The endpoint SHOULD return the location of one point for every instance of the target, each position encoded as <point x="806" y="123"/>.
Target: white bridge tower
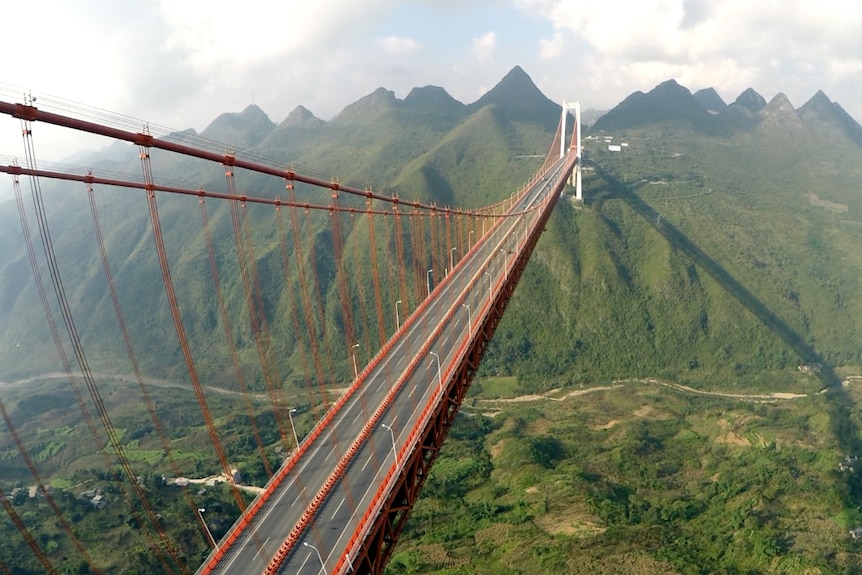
<point x="576" y="142"/>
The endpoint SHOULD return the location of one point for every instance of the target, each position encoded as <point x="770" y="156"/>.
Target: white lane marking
<point x="367" y="461"/>
<point x="413" y="390"/>
<point x="357" y="417"/>
<point x="330" y="454"/>
<point x="445" y="341"/>
<point x="337" y="508"/>
<point x="261" y="549"/>
<point x="297" y="499"/>
<point x="301" y="567"/>
<point x="382" y="383"/>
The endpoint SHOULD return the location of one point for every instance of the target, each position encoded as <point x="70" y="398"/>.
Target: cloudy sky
<point x="180" y="63"/>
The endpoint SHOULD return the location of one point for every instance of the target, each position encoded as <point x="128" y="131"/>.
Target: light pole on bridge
<point x="489" y="287"/>
<point x="505" y="266"/>
<point x="355" y="367"/>
<point x="392" y="434"/>
<point x="292" y="426"/>
<point x="201" y="512"/>
<point x="439" y="373"/>
<point x="428" y="281"/>
<point x="322" y="564"/>
<point x="470" y="237"/>
<point x="397" y="317"/>
<point x="452" y="259"/>
<point x="469" y="317"/>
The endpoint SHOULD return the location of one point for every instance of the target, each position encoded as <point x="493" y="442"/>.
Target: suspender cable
<point x="226" y="324"/>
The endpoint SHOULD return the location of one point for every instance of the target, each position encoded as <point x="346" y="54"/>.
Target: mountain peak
<point x="818" y="106"/>
<point x="242" y="130"/>
<point x="751" y="100"/>
<point x="820" y="109"/>
<point x="377" y="101"/>
<point x="669" y="101"/>
<point x="780" y="112"/>
<point x="519" y="97"/>
<point x="434" y="96"/>
<point x="300" y="116"/>
<point x="710" y="100"/>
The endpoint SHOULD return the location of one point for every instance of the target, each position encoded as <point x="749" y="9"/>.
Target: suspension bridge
<point x="424" y="285"/>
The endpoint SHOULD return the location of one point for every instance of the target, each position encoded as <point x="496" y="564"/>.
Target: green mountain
<point x="712" y="250"/>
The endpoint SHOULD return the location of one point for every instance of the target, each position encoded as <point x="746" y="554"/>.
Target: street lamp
<point x="439" y="374"/>
<point x="392" y="434"/>
<point x="428" y="281"/>
<point x="209" y="533"/>
<point x="293" y="427"/>
<point x="355" y="367"/>
<point x="322" y="565"/>
<point x="470" y="238"/>
<point x="469" y="316"/>
<point x="452" y="258"/>
<point x="489" y="287"/>
<point x="505" y="267"/>
<point x="397" y="317"/>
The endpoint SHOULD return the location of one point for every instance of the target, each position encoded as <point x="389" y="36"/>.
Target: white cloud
<point x="484" y="46"/>
<point x="793" y="47"/>
<point x="399" y="45"/>
<point x="552" y="48"/>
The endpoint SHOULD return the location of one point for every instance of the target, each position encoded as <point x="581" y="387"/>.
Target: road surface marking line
<point x="261" y="549"/>
<point x="357" y="417"/>
<point x="330" y="454"/>
<point x="367" y="461"/>
<point x="337" y="508"/>
<point x="297" y="499"/>
<point x="301" y="567"/>
<point x="415" y="385"/>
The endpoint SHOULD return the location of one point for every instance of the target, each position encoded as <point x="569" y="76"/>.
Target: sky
<point x="181" y="63"/>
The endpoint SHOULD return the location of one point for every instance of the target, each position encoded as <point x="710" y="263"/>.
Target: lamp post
<point x="355" y="367"/>
<point x="392" y="434"/>
<point x="505" y="267"/>
<point x="489" y="287"/>
<point x="470" y="238"/>
<point x="322" y="566"/>
<point x="469" y="317"/>
<point x="439" y="373"/>
<point x="209" y="533"/>
<point x="428" y="281"/>
<point x="452" y="259"/>
<point x="397" y="317"/>
<point x="293" y="427"/>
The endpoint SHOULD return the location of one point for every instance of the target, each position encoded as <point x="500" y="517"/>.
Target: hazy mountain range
<point x="430" y="146"/>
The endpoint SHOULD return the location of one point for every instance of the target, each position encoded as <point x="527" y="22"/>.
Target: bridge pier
<point x="576" y="142"/>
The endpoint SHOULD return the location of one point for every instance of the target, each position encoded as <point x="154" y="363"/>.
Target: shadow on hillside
<point x="840" y="404"/>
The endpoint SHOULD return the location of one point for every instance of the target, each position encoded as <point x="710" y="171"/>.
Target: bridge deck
<point x="353" y="458"/>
